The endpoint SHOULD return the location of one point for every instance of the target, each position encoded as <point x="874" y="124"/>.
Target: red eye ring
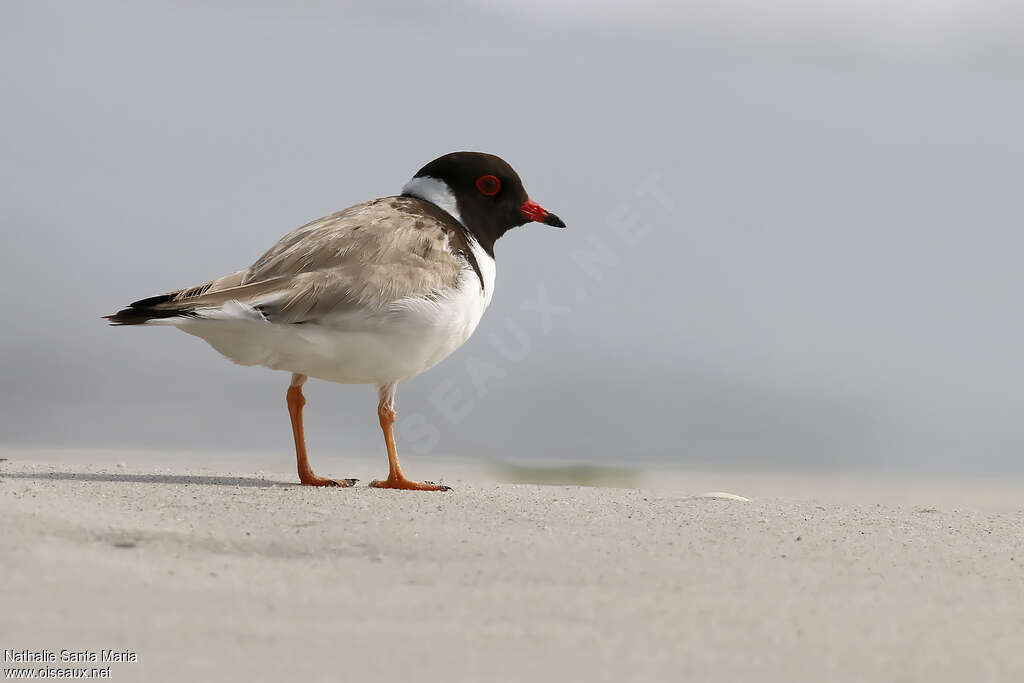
<point x="488" y="185"/>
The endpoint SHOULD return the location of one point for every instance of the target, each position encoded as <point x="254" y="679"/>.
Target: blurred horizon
<point x="793" y="232"/>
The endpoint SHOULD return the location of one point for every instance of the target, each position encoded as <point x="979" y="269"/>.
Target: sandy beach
<point x="239" y="574"/>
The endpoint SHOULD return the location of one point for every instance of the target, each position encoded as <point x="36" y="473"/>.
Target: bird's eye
<point x="488" y="185"/>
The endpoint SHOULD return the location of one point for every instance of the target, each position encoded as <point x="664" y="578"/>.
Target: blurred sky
<point x="794" y="227"/>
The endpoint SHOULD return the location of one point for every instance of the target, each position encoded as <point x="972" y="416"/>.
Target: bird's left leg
<point x="396" y="480"/>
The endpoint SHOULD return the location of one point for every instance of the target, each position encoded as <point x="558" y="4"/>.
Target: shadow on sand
<point x="147" y="478"/>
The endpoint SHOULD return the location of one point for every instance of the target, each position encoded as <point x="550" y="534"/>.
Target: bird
<point x="376" y="294"/>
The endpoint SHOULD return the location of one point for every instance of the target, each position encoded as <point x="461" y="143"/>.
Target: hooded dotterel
<point x="374" y="294"/>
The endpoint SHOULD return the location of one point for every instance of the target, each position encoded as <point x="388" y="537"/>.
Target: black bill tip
<point x="554" y="221"/>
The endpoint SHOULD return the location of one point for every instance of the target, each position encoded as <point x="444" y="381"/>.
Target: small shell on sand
<point x="721" y="495"/>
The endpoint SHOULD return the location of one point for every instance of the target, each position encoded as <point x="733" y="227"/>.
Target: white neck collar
<point x="434" y="191"/>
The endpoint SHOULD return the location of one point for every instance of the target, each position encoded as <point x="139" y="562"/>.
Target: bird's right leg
<point x="295" y="402"/>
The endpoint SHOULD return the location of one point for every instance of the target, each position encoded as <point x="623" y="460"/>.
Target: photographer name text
<point x="49" y="656"/>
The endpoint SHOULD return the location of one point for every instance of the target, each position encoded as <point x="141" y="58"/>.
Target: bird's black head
<point x="481" y="190"/>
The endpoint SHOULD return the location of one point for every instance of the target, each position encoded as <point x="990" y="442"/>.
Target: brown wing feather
<point x="368" y="255"/>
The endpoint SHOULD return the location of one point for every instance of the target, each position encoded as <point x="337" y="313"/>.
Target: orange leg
<point x="396" y="480"/>
<point x="295" y="402"/>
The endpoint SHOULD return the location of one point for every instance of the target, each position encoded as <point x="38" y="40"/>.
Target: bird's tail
<point x="192" y="302"/>
<point x="154" y="309"/>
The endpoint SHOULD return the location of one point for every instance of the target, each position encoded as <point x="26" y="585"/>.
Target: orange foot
<point x="320" y="481"/>
<point x="408" y="484"/>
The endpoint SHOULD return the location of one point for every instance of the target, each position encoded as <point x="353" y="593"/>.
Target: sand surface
<point x="220" y="575"/>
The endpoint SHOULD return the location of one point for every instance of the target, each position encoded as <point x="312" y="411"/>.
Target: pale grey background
<point x="834" y="281"/>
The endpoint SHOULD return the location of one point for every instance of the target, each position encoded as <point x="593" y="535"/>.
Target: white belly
<point x="363" y="347"/>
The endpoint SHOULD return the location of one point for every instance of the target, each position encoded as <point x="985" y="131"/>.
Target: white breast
<point x="444" y="324"/>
